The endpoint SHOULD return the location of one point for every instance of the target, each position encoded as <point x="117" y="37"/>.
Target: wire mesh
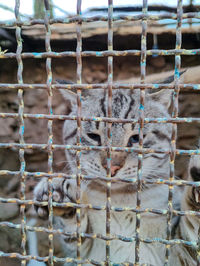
<point x="78" y="152"/>
<point x="21" y="131"/>
<point x="110" y="53"/>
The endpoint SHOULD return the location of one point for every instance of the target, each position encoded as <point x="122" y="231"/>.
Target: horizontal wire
<point x="177" y="120"/>
<point x="106" y="53"/>
<point x="97" y="148"/>
<point x="98" y="208"/>
<point x="131" y="180"/>
<point x="131" y="86"/>
<point x="82" y="19"/>
<point x="73" y="235"/>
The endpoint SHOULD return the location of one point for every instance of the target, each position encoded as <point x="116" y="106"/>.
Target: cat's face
<point x="125" y="104"/>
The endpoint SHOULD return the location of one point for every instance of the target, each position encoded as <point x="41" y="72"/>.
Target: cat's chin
<point x="121" y="187"/>
<point x="116" y="187"/>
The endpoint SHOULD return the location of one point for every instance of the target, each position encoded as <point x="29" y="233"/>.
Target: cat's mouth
<point x="118" y="182"/>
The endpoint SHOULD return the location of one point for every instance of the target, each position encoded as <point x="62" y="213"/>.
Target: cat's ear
<point x="170" y="79"/>
<point x="164" y="96"/>
<point x="71" y="95"/>
<point x="68" y="95"/>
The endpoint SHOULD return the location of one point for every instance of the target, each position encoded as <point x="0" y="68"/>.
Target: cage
<point x="111" y="50"/>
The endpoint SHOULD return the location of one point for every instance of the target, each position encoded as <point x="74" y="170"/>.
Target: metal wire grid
<point x="109" y="126"/>
<point x="174" y="126"/>
<point x="22" y="146"/>
<point x="78" y="152"/>
<point x="50" y="130"/>
<point x="21" y="131"/>
<point x="141" y="125"/>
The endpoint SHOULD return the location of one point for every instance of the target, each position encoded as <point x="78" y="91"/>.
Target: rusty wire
<point x="174" y="126"/>
<point x="109" y="128"/>
<point x="114" y="53"/>
<point x="78" y="152"/>
<point x="21" y="131"/>
<point x="140" y="129"/>
<point x="99" y="18"/>
<point x="50" y="130"/>
<point x="50" y="147"/>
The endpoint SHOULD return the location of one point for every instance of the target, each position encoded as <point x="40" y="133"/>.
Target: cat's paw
<point x="41" y="194"/>
<point x="62" y="191"/>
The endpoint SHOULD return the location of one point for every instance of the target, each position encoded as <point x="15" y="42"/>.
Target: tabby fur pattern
<point x="125" y="104"/>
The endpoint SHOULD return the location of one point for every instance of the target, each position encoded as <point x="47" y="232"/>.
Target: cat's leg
<point x="189" y="225"/>
<point x="63" y="190"/>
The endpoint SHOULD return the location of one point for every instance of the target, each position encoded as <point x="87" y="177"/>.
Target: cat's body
<point x="122" y="224"/>
<point x="125" y="104"/>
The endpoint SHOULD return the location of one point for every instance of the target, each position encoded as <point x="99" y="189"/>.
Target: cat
<point x="125" y="104"/>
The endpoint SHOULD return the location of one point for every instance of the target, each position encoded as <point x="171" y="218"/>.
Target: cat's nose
<point x="114" y="169"/>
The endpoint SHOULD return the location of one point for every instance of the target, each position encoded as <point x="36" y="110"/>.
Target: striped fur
<point x="125" y="104"/>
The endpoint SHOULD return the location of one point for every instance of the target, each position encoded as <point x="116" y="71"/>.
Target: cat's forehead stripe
<point x="130" y="108"/>
<point x="102" y="105"/>
<point x="121" y="105"/>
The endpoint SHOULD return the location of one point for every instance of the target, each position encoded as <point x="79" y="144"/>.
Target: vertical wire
<point x="50" y="129"/>
<point x="78" y="153"/>
<point x="109" y="127"/>
<point x="21" y="130"/>
<point x="141" y="126"/>
<point x="174" y="126"/>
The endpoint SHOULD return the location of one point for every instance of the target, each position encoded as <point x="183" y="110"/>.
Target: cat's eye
<point x="133" y="139"/>
<point x="95" y="137"/>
